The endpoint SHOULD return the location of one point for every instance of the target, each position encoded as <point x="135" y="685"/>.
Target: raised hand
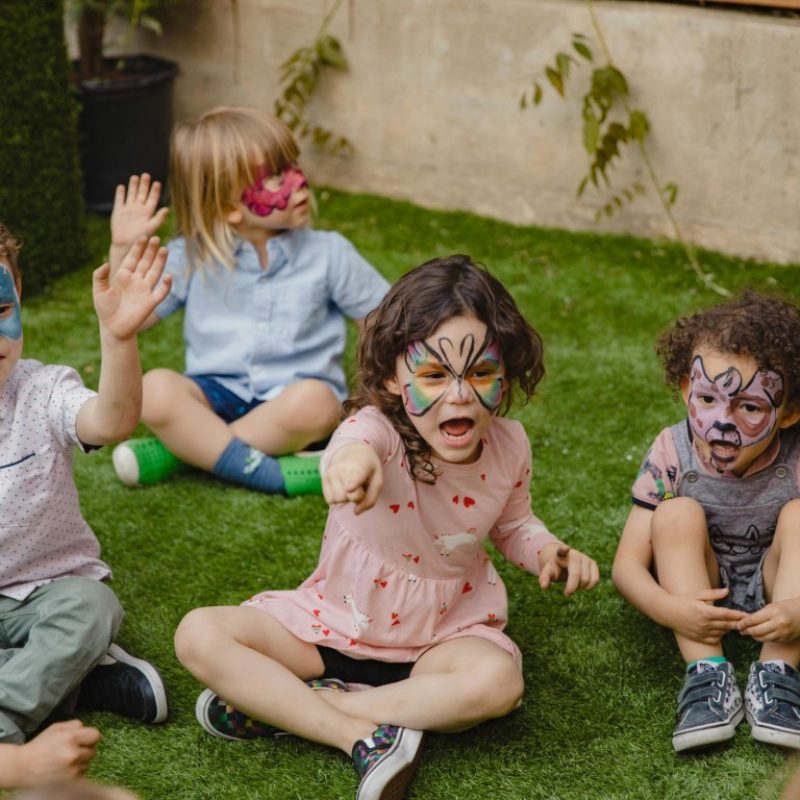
<point x="354" y="475"/>
<point x="559" y="562"/>
<point x="135" y="212"/>
<point x="123" y="301"/>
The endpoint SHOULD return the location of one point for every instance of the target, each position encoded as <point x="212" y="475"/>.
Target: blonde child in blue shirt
<point x="265" y="300"/>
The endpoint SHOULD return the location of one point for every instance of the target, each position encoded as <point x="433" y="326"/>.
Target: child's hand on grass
<point x="776" y="622"/>
<point x="63" y="750"/>
<point x="558" y="562"/>
<point x="697" y="618"/>
<point x="125" y="300"/>
<point x="354" y="475"/>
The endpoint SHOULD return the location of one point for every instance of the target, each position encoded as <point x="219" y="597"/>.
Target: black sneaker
<point x="709" y="706"/>
<point x="125" y="685"/>
<point x="773" y="704"/>
<point x="387" y="762"/>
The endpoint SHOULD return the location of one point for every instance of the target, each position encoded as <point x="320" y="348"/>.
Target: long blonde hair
<point x="213" y="159"/>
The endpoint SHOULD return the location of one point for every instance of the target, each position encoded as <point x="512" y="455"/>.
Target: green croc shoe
<point x="143" y="462"/>
<point x="301" y="474"/>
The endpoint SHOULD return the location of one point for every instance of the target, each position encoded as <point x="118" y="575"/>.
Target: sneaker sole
<point x="775" y="736"/>
<point x="150" y="672"/>
<point x="707" y="736"/>
<point x="126" y="466"/>
<point x="392" y="783"/>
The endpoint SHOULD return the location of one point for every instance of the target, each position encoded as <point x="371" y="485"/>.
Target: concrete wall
<point x="431" y="105"/>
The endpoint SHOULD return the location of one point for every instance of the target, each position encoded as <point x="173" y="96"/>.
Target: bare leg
<point x="262" y="673"/>
<point x="684" y="560"/>
<point x="453" y="686"/>
<point x="782" y="576"/>
<point x="175" y="409"/>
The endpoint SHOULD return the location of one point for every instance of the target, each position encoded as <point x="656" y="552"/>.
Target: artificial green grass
<point x="601" y="679"/>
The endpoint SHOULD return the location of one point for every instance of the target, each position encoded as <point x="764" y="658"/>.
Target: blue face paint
<point x="10" y="319"/>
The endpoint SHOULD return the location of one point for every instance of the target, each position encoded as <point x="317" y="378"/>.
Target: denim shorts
<point x="224" y="403"/>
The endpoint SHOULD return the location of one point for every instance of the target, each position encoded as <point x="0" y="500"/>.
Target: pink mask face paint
<point x="434" y="367"/>
<point x="271" y="192"/>
<point x="728" y="416"/>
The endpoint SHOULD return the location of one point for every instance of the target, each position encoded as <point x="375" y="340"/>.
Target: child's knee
<point x="91" y="611"/>
<point x="677" y="518"/>
<point x="158" y="395"/>
<point x="316" y="401"/>
<point x="191" y="638"/>
<point x="495" y="685"/>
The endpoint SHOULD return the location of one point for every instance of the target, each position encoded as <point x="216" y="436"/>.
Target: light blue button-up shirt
<point x="257" y="331"/>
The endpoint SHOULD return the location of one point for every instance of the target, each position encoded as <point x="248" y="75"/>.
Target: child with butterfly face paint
<point x="712" y="543"/>
<point x="405" y="598"/>
<point x="265" y="302"/>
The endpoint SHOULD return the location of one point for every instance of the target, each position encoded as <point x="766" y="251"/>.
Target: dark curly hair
<point x="421" y="301"/>
<point x="764" y="327"/>
<point x="9" y="250"/>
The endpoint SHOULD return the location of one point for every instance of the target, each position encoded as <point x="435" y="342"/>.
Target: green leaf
<point x="523" y="101"/>
<point x="671" y="193"/>
<point x="563" y="62"/>
<point x="583" y="50"/>
<point x="582" y="186"/>
<point x="618" y="132"/>
<point x="537" y="93"/>
<point x="331" y="54"/>
<point x="555" y="79"/>
<point x="638" y="125"/>
<point x="591" y="134"/>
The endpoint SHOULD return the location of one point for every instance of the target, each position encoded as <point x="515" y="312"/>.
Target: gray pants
<point x="48" y="644"/>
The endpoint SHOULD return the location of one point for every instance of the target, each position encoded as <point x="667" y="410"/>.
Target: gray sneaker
<point x="773" y="704"/>
<point x="709" y="706"/>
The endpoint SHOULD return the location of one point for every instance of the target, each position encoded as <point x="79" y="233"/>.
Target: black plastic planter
<point x="125" y="123"/>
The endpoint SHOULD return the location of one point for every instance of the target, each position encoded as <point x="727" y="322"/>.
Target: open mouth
<point x="457" y="430"/>
<point x="724" y="451"/>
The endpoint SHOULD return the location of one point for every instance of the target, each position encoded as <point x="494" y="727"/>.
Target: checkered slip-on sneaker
<point x="387" y="762"/>
<point x="772" y="700"/>
<point x="219" y="718"/>
<point x="709" y="706"/>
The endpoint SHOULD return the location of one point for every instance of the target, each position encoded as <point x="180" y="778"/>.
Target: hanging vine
<point x="610" y="124"/>
<point x="300" y="77"/>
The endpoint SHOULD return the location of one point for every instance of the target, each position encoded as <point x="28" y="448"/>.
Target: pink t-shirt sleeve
<point x="659" y="475"/>
<point x="369" y="427"/>
<point x="518" y="533"/>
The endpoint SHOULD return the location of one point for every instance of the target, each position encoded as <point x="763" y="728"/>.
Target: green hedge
<point x="40" y="184"/>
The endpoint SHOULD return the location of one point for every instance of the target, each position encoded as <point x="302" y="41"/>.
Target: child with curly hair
<point x="405" y="598"/>
<point x="711" y="544"/>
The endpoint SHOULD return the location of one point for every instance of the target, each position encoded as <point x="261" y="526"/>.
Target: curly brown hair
<point x="9" y="250"/>
<point x="764" y="327"/>
<point x="419" y="303"/>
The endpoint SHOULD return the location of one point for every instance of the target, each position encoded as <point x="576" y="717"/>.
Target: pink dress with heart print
<point x="412" y="571"/>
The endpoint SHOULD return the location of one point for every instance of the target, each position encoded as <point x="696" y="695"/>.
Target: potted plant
<point x="125" y="101"/>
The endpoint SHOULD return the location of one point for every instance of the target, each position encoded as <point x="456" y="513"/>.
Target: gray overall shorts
<point x="741" y="513"/>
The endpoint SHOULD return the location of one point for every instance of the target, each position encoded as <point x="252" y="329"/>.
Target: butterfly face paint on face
<point x="434" y="367"/>
<point x="730" y="417"/>
<point x="10" y="318"/>
<point x="271" y="192"/>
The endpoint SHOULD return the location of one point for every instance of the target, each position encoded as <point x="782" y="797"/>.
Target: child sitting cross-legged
<point x="58" y="617"/>
<point x="712" y="543"/>
<point x="265" y="300"/>
<point x="405" y="598"/>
